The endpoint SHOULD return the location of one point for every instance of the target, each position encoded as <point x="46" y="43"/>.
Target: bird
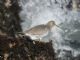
<point x="39" y="31"/>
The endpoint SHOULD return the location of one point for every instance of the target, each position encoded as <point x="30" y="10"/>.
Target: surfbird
<point x="39" y="31"/>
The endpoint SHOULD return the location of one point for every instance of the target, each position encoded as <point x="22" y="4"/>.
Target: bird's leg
<point x="50" y="34"/>
<point x="39" y="39"/>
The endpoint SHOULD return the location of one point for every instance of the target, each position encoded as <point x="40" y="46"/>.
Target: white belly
<point x="33" y="37"/>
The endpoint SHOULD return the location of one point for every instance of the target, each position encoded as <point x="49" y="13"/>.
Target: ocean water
<point x="66" y="39"/>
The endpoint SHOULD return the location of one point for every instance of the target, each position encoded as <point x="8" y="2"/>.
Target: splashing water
<point x="66" y="40"/>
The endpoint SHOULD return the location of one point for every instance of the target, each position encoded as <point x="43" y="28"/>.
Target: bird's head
<point x="51" y="24"/>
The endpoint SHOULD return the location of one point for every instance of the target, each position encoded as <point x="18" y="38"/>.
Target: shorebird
<point x="39" y="31"/>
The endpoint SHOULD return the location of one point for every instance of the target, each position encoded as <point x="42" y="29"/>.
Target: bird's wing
<point x="37" y="30"/>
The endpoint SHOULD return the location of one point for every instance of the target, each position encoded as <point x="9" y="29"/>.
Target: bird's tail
<point x="20" y="33"/>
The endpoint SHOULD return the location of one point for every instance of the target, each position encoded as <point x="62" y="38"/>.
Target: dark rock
<point x="24" y="49"/>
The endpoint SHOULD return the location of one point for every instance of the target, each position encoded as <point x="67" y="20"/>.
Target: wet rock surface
<point x="24" y="49"/>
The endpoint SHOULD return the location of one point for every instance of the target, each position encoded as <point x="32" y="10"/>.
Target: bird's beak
<point x="58" y="27"/>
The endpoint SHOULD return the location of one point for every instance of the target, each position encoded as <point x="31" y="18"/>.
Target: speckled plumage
<point x="40" y="30"/>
